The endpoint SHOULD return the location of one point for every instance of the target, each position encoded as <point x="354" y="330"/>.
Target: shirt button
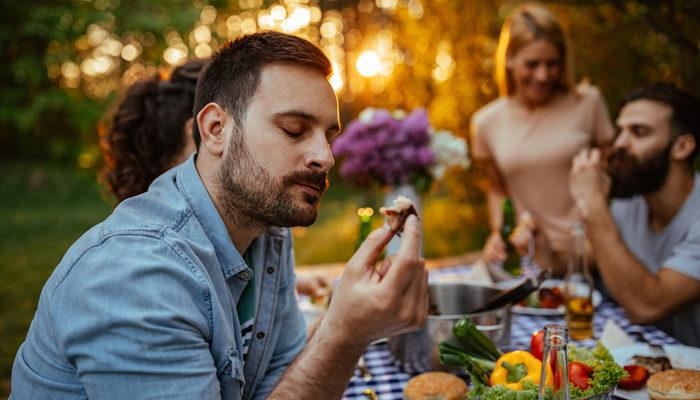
<point x="260" y="335"/>
<point x="244" y="275"/>
<point x="270" y="270"/>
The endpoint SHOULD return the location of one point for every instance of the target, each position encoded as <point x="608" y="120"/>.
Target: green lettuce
<point x="606" y="372"/>
<point x="500" y="392"/>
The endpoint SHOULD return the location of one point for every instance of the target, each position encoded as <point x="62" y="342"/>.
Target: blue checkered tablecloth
<point x="388" y="379"/>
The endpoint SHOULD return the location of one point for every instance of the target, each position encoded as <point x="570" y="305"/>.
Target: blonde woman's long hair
<point x="528" y="23"/>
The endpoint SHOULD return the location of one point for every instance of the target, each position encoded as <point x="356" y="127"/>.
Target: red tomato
<point x="637" y="377"/>
<point x="537" y="344"/>
<point x="580" y="374"/>
<point x="550" y="298"/>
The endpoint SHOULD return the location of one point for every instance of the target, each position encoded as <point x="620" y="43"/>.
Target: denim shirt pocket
<point x="231" y="376"/>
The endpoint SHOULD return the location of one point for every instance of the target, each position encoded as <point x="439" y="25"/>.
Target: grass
<point x="45" y="208"/>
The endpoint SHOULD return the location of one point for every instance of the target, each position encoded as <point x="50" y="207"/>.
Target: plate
<point x="680" y="357"/>
<point x="597" y="298"/>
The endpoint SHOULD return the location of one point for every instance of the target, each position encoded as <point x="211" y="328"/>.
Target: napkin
<point x="614" y="336"/>
<point x="476" y="273"/>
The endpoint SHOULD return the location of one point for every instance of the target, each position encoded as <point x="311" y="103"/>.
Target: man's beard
<point x="631" y="176"/>
<point x="252" y="197"/>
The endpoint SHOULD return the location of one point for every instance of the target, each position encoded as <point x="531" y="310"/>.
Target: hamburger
<point x="435" y="386"/>
<point x="675" y="384"/>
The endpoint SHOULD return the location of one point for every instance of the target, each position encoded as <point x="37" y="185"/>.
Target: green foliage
<point x="39" y="117"/>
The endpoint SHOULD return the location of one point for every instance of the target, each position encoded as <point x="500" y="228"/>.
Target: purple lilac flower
<point x="385" y="149"/>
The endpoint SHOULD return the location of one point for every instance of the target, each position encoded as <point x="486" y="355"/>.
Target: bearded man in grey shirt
<point x="647" y="244"/>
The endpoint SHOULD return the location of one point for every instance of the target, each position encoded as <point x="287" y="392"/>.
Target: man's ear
<point x="683" y="147"/>
<point x="211" y="121"/>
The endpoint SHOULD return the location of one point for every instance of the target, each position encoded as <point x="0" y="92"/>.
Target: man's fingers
<point x="407" y="264"/>
<point x="371" y="248"/>
<point x="415" y="300"/>
<point x="410" y="238"/>
<point x="578" y="161"/>
<point x="384" y="267"/>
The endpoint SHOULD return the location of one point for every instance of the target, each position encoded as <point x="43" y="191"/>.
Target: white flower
<point x="399" y="114"/>
<point x="450" y="151"/>
<point x="366" y="115"/>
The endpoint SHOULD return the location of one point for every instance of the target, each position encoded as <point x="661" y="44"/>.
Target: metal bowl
<point x="607" y="395"/>
<point x="417" y="351"/>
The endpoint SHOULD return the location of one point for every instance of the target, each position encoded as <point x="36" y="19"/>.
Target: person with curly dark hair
<point x="151" y="130"/>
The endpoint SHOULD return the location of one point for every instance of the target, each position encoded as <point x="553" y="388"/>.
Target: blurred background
<point x="65" y="64"/>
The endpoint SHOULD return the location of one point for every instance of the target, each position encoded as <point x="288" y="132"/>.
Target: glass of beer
<point x="578" y="288"/>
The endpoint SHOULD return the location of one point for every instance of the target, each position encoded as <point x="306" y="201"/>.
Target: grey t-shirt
<point x="676" y="247"/>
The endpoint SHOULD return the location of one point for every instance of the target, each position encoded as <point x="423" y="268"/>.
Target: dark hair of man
<point x="233" y="75"/>
<point x="147" y="131"/>
<point x="685" y="117"/>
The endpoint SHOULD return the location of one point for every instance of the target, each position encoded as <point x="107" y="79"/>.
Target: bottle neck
<point x="555" y="364"/>
<point x="508" y="214"/>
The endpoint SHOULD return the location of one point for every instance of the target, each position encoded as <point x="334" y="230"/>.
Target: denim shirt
<point x="143" y="306"/>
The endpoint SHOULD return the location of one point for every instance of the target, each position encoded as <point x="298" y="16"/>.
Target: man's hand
<point x="367" y="304"/>
<point x="370" y="303"/>
<point x="588" y="183"/>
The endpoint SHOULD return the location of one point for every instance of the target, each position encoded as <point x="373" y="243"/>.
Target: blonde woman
<point x="527" y="137"/>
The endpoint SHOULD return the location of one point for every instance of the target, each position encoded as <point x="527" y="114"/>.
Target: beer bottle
<point x="578" y="288"/>
<point x="512" y="263"/>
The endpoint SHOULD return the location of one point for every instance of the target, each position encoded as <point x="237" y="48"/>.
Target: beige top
<point x="533" y="151"/>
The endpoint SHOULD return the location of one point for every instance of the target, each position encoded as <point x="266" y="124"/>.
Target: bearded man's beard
<point x="251" y="196"/>
<point x="631" y="176"/>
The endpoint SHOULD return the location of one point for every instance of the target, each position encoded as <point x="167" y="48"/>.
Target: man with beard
<point x="647" y="244"/>
<point x="187" y="291"/>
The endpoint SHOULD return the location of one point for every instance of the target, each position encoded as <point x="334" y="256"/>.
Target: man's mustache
<point x="618" y="157"/>
<point x="318" y="180"/>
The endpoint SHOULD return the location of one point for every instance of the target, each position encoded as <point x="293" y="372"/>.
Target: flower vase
<point x="410" y="192"/>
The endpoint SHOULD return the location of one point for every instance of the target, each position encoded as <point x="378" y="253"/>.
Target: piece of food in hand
<point x="537" y="344"/>
<point x="435" y="386"/>
<point x="580" y="375"/>
<point x="637" y="377"/>
<point x="396" y="215"/>
<point x="652" y="364"/>
<point x="674" y="384"/>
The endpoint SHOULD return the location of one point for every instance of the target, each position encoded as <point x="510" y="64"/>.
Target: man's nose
<point x="622" y="140"/>
<point x="319" y="157"/>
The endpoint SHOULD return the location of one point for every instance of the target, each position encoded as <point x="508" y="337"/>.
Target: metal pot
<point x="417" y="351"/>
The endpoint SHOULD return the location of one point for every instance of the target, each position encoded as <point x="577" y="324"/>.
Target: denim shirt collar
<point x="191" y="186"/>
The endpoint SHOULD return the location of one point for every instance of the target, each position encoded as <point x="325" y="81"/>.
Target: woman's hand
<point x="495" y="248"/>
<point x="523" y="233"/>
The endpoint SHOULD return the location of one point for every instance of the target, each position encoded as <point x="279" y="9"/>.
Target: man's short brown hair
<point x="233" y="75"/>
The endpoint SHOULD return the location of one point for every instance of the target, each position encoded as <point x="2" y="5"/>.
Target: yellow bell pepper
<point x="523" y="361"/>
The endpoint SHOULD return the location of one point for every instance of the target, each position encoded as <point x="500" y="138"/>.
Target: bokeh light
<point x="368" y="63"/>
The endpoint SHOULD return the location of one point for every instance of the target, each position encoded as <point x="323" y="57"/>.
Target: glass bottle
<point x="512" y="262"/>
<point x="578" y="288"/>
<point x="365" y="214"/>
<point x="556" y="337"/>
